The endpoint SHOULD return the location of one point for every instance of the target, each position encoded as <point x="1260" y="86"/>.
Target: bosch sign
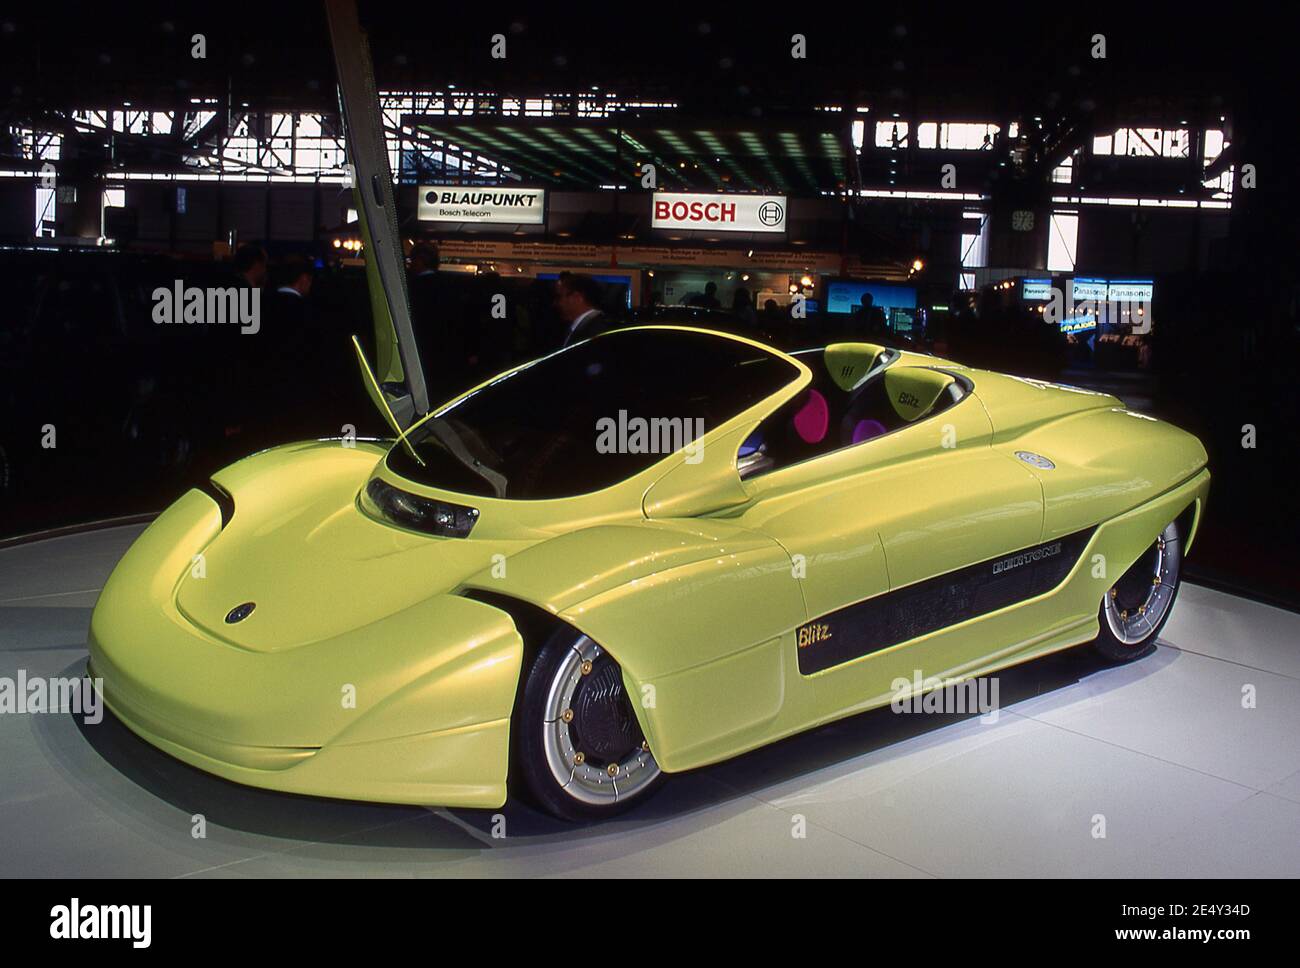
<point x="718" y="213"/>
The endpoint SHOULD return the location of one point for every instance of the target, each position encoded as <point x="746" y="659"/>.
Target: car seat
<point x="900" y="396"/>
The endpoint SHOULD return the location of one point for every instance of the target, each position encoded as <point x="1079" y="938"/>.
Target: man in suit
<point x="707" y="299"/>
<point x="577" y="298"/>
<point x="289" y="301"/>
<point x="250" y="266"/>
<point x="869" y="319"/>
<point x="285" y="344"/>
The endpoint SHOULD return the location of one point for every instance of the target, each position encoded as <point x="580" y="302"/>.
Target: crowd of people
<point x="468" y="326"/>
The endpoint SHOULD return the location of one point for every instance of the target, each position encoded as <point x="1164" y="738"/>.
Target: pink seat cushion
<point x="813" y="418"/>
<point x="866" y="429"/>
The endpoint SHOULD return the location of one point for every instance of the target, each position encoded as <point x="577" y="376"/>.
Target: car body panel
<point x="893" y="486"/>
<point x="702" y="586"/>
<point x="688" y="727"/>
<point x="275" y="711"/>
<point x="1107" y="460"/>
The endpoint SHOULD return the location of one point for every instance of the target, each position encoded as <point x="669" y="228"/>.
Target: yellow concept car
<point x="650" y="551"/>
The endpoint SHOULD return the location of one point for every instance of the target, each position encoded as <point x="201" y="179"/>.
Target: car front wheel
<point x="579" y="747"/>
<point x="1136" y="607"/>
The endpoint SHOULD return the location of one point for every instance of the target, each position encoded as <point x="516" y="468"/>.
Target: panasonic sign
<point x="482" y="205"/>
<point x="718" y="213"/>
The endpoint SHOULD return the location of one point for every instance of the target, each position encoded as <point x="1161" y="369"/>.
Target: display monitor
<point x="611" y="282"/>
<point x="844" y="296"/>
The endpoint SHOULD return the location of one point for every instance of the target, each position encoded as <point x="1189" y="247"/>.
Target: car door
<point x="396" y="384"/>
<point x="877" y="527"/>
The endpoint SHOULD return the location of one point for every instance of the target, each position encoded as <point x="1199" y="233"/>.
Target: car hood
<point x="316" y="573"/>
<point x="310" y="560"/>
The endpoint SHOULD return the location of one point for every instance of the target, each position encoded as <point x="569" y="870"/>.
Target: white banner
<point x="1083" y="289"/>
<point x="718" y="213"/>
<point x="482" y="205"/>
<point x="1037" y="290"/>
<point x="1137" y="290"/>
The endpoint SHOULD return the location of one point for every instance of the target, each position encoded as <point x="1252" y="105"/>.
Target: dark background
<point x="143" y="412"/>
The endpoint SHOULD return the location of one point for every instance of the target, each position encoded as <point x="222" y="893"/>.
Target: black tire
<point x="1127" y="631"/>
<point x="601" y="719"/>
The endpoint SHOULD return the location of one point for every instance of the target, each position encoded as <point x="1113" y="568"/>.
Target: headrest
<point x="913" y="390"/>
<point x="848" y="363"/>
<point x="813" y="418"/>
<point x="866" y="429"/>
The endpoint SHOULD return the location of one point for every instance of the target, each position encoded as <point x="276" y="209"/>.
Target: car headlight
<point x="421" y="513"/>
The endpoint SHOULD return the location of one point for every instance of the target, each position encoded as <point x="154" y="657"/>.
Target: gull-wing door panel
<point x="397" y="370"/>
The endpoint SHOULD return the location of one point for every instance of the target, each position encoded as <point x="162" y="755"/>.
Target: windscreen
<point x="590" y="415"/>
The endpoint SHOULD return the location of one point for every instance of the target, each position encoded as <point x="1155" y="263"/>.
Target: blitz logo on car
<point x="813" y="633"/>
<point x="1025" y="557"/>
<point x="909" y="400"/>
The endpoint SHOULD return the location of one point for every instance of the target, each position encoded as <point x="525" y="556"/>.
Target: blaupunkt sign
<point x="457" y="203"/>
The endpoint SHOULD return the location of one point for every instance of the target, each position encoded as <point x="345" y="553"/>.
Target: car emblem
<point x="240" y="612"/>
<point x="1035" y="460"/>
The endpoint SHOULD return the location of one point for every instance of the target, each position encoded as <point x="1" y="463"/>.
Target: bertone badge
<point x="240" y="612"/>
<point x="1035" y="460"/>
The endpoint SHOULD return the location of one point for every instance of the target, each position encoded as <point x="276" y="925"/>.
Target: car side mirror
<point x="700" y="481"/>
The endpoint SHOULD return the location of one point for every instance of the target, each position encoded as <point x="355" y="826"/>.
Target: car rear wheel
<point x="579" y="748"/>
<point x="1136" y="607"/>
